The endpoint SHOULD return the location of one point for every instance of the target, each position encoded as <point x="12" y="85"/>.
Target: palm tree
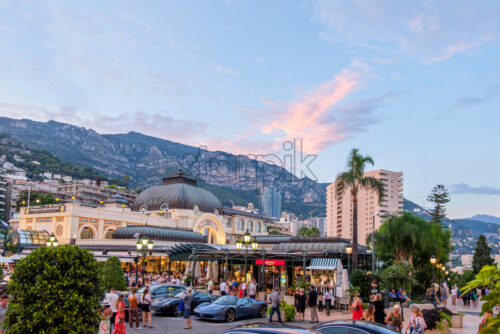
<point x="353" y="180"/>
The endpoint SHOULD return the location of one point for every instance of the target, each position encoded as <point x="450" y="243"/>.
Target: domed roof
<point x="177" y="192"/>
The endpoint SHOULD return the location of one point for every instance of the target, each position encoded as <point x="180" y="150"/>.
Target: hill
<point x="486" y="219"/>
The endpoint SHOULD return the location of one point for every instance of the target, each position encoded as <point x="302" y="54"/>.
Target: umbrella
<point x="344" y="285"/>
<point x="5" y="260"/>
<point x="197" y="270"/>
<point x="215" y="270"/>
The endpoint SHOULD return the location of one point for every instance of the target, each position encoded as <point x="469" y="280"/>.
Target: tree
<point x="305" y="231"/>
<point x="126" y="178"/>
<point x="112" y="275"/>
<point x="488" y="276"/>
<point x="482" y="255"/>
<point x="396" y="277"/>
<point x="353" y="180"/>
<point x="55" y="290"/>
<point x="439" y="196"/>
<point x="273" y="232"/>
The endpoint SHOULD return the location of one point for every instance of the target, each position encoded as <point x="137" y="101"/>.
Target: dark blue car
<point x="230" y="308"/>
<point x="170" y="305"/>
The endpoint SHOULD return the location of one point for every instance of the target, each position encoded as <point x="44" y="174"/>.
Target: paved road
<point x="174" y="325"/>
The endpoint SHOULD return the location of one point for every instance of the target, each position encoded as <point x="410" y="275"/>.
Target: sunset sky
<point x="415" y="84"/>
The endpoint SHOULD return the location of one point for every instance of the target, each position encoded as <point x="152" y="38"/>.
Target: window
<point x="343" y="330"/>
<point x="240" y="224"/>
<point x="257" y="227"/>
<point x="143" y="208"/>
<point x="86" y="233"/>
<point x="164" y="207"/>
<point x="109" y="234"/>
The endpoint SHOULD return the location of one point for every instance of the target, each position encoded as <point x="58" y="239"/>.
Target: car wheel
<point x="230" y="315"/>
<point x="262" y="311"/>
<point x="178" y="313"/>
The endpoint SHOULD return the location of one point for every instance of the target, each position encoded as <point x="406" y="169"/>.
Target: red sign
<point x="271" y="262"/>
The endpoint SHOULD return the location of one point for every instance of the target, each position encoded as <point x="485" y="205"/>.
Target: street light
<point x="264" y="253"/>
<point x="348" y="250"/>
<point x="144" y="245"/>
<point x="433" y="260"/>
<point x="248" y="240"/>
<point x="52" y="241"/>
<point x="373" y="241"/>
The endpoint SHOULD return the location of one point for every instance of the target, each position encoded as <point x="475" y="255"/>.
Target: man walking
<point x="274" y="300"/>
<point x="223" y="288"/>
<point x="252" y="289"/>
<point x="112" y="299"/>
<point x="187" y="297"/>
<point x="312" y="303"/>
<point x="133" y="310"/>
<point x="210" y="286"/>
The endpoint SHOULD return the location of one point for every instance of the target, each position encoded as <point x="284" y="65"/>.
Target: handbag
<point x="181" y="305"/>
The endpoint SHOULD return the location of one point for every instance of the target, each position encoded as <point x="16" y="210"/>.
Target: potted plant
<point x="437" y="320"/>
<point x="457" y="320"/>
<point x="287" y="312"/>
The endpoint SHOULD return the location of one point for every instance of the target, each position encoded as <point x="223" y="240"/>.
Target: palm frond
<point x="372" y="183"/>
<point x="344" y="180"/>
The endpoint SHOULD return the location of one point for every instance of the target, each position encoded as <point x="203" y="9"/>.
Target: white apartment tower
<point x="339" y="210"/>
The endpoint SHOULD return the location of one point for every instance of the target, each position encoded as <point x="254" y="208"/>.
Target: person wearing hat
<point x="105" y="324"/>
<point x="393" y="320"/>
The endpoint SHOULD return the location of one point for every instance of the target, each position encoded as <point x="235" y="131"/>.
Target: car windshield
<point x="226" y="300"/>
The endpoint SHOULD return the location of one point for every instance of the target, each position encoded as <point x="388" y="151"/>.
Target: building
<point x="371" y="212"/>
<point x="4" y="199"/>
<point x="270" y="202"/>
<point x="319" y="223"/>
<point x="91" y="194"/>
<point x="467" y="261"/>
<point x="176" y="205"/>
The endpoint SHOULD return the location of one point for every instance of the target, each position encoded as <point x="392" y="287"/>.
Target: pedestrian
<point x="302" y="299"/>
<point x="252" y="289"/>
<point x="228" y="288"/>
<point x="369" y="314"/>
<point x="320" y="301"/>
<point x="454" y="295"/>
<point x="105" y="322"/>
<point x="222" y="288"/>
<point x="274" y="300"/>
<point x="379" y="309"/>
<point x="146" y="308"/>
<point x="357" y="307"/>
<point x="210" y="286"/>
<point x="417" y="323"/>
<point x="120" y="327"/>
<point x="312" y="303"/>
<point x="243" y="289"/>
<point x="328" y="300"/>
<point x="187" y="298"/>
<point x="133" y="310"/>
<point x="393" y="319"/>
<point x="112" y="300"/>
<point x="4" y="304"/>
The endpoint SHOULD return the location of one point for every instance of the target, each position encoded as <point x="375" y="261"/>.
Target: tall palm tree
<point x="353" y="180"/>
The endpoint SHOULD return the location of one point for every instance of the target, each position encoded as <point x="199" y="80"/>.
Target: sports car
<point x="230" y="308"/>
<point x="170" y="305"/>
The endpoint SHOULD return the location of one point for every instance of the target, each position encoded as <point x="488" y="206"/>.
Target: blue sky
<point x="416" y="84"/>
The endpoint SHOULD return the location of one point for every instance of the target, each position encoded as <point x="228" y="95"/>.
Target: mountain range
<point x="233" y="178"/>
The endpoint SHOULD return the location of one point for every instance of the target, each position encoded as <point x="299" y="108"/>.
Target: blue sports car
<point x="230" y="308"/>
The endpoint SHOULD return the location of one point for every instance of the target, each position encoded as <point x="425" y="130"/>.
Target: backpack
<point x="418" y="328"/>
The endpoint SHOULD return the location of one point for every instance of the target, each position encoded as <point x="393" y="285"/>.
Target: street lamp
<point x="144" y="245"/>
<point x="52" y="241"/>
<point x="433" y="260"/>
<point x="247" y="240"/>
<point x="348" y="250"/>
<point x="373" y="241"/>
<point x="226" y="253"/>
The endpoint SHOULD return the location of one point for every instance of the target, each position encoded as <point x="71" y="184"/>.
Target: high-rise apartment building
<point x="270" y="202"/>
<point x="4" y="199"/>
<point x="339" y="210"/>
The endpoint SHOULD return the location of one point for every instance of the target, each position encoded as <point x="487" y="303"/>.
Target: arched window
<point x="86" y="233"/>
<point x="164" y="207"/>
<point x="250" y="226"/>
<point x="109" y="234"/>
<point x="240" y="225"/>
<point x="257" y="227"/>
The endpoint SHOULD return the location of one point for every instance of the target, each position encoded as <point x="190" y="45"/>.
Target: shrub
<point x="55" y="290"/>
<point x="112" y="275"/>
<point x="287" y="308"/>
<point x="435" y="317"/>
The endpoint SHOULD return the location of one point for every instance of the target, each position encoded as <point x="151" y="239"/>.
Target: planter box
<point x="289" y="300"/>
<point x="457" y="321"/>
<point x="445" y="329"/>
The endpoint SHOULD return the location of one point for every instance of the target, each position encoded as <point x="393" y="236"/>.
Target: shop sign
<point x="271" y="262"/>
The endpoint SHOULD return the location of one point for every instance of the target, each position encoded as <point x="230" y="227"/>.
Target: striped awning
<point x="323" y="264"/>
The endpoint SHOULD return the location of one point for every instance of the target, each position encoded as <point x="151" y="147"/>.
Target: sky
<point x="414" y="84"/>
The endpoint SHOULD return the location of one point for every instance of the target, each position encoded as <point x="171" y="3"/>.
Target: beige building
<point x="177" y="204"/>
<point x="339" y="210"/>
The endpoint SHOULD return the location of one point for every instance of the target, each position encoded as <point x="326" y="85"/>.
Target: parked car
<point x="270" y="328"/>
<point x="230" y="308"/>
<point x="352" y="327"/>
<point x="162" y="290"/>
<point x="170" y="305"/>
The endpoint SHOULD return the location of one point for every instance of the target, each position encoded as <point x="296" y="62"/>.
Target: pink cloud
<point x="451" y="50"/>
<point x="312" y="116"/>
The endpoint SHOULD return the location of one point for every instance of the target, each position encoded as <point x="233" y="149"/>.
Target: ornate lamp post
<point x="433" y="260"/>
<point x="348" y="250"/>
<point x="144" y="246"/>
<point x="226" y="253"/>
<point x="247" y="240"/>
<point x="52" y="241"/>
<point x="304" y="256"/>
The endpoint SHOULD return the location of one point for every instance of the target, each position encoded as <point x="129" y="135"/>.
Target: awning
<point x="323" y="264"/>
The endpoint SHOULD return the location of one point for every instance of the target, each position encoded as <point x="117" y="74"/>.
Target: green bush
<point x="287" y="308"/>
<point x="112" y="275"/>
<point x="55" y="290"/>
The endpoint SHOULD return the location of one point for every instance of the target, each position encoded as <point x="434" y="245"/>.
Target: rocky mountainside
<point x="147" y="159"/>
